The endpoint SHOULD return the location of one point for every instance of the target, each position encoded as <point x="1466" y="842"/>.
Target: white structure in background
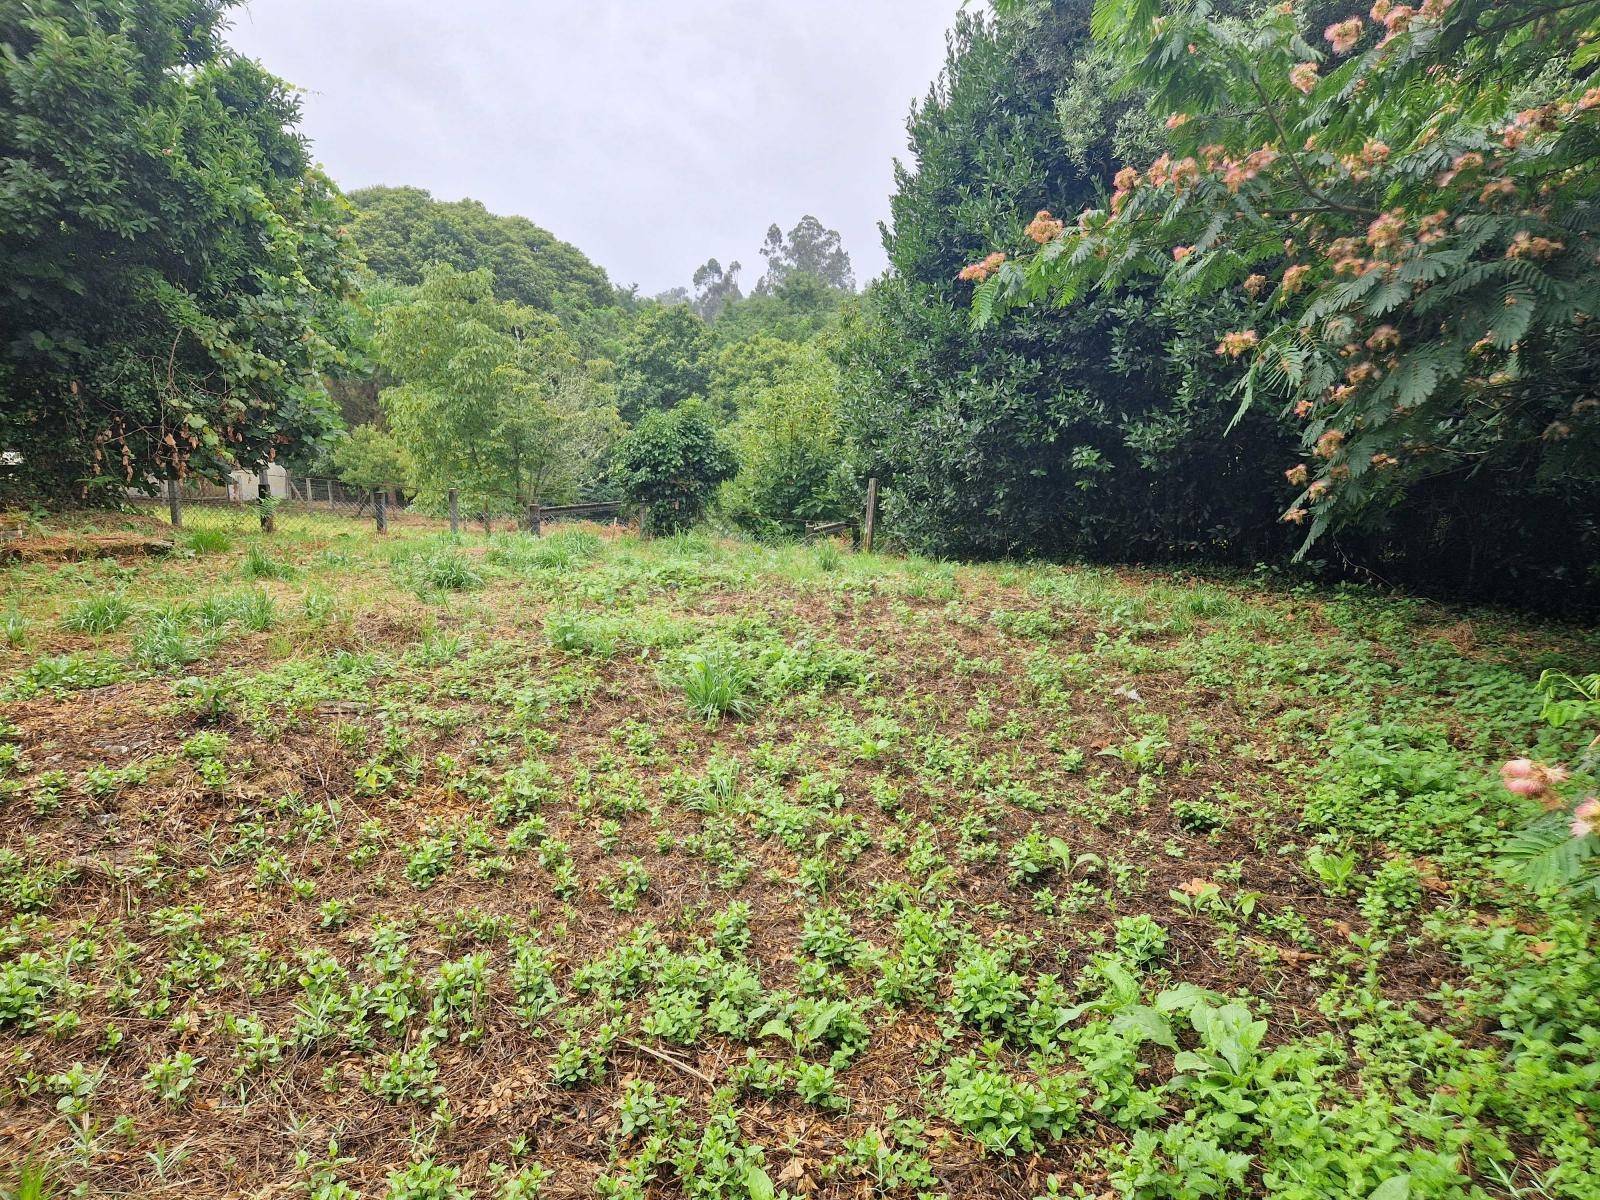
<point x="242" y="484"/>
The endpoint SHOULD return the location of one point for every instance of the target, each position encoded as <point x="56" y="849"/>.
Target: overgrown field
<point x="584" y="866"/>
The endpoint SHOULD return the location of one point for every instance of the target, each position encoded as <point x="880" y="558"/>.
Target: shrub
<point x="673" y="462"/>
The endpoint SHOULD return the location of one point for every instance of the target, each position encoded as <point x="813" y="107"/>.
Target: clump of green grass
<point x="256" y="610"/>
<point x="717" y="683"/>
<point x="97" y="614"/>
<point x="33" y="1181"/>
<point x="557" y="552"/>
<point x="166" y="642"/>
<point x="208" y="541"/>
<point x="14" y="628"/>
<point x="440" y="571"/>
<point x="259" y="563"/>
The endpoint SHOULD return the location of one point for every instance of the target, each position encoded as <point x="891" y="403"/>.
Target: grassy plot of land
<point x="334" y="866"/>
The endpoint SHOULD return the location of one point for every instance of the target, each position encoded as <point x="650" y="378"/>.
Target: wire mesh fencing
<point x="316" y="506"/>
<point x="287" y="505"/>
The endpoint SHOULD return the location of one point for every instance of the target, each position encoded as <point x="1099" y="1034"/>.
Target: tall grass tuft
<point x="209" y="541"/>
<point x="256" y="610"/>
<point x="259" y="563"/>
<point x="33" y="1181"/>
<point x="164" y="642"/>
<point x="440" y="571"/>
<point x="98" y="614"/>
<point x="717" y="683"/>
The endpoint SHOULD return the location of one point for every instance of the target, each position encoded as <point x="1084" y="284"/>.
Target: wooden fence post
<point x="328" y="486"/>
<point x="536" y="519"/>
<point x="380" y="510"/>
<point x="174" y="504"/>
<point x="455" y="511"/>
<point x="264" y="499"/>
<point x="869" y="522"/>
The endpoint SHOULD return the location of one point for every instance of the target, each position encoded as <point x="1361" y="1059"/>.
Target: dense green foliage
<point x="764" y="365"/>
<point x="1399" y="208"/>
<point x="173" y="272"/>
<point x="673" y="460"/>
<point x="792" y="457"/>
<point x="490" y="397"/>
<point x="372" y="458"/>
<point x="664" y="360"/>
<point x="402" y="231"/>
<point x="1096" y="429"/>
<point x="795" y="310"/>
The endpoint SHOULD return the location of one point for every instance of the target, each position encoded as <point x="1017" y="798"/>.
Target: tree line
<point x="1168" y="280"/>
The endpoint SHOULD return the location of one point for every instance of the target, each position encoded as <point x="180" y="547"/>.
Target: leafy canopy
<point x="491" y="397"/>
<point x="665" y="359"/>
<point x="403" y="231"/>
<point x="173" y="272"/>
<point x="1405" y="201"/>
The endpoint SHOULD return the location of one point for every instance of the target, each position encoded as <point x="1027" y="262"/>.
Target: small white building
<point x="242" y="484"/>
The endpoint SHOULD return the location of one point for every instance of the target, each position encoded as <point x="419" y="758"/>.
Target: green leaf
<point x="1146" y="1024"/>
<point x="758" y="1183"/>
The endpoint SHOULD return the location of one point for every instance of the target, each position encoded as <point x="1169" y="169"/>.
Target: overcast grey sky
<point x="652" y="134"/>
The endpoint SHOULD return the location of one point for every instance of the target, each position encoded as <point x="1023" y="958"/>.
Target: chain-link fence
<point x="277" y="502"/>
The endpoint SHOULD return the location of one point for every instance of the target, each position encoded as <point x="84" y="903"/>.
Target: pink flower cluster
<point x="1586" y="818"/>
<point x="1524" y="777"/>
<point x="1526" y="245"/>
<point x="1343" y="35"/>
<point x="1236" y="343"/>
<point x="1329" y="443"/>
<point x="979" y="271"/>
<point x="1044" y="228"/>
